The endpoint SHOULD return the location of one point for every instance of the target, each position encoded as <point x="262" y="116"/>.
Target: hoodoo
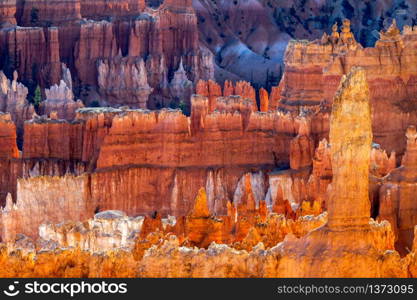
<point x="350" y="244"/>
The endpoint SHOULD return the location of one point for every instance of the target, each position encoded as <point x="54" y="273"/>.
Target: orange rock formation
<point x="351" y="244"/>
<point x="397" y="204"/>
<point x="246" y="186"/>
<point x="313" y="71"/>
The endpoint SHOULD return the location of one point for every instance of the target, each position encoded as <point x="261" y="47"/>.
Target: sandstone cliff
<point x="8" y="157"/>
<point x="313" y="71"/>
<point x="94" y="47"/>
<point x="396" y="204"/>
<point x="100" y="9"/>
<point x="350" y="137"/>
<point x="47" y="12"/>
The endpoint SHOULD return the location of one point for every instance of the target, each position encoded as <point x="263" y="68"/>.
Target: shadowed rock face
<point x="124" y="81"/>
<point x="238" y="33"/>
<point x="48" y="12"/>
<point x="397" y="203"/>
<point x="59" y="99"/>
<point x="103" y="42"/>
<point x="13" y="100"/>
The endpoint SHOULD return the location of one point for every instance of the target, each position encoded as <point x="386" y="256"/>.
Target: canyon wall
<point x="351" y="245"/>
<point x="80" y="34"/>
<point x="396" y="203"/>
<point x="168" y="134"/>
<point x="313" y="71"/>
<point x="47" y="12"/>
<point x="8" y="157"/>
<point x="160" y="159"/>
<point x="100" y="9"/>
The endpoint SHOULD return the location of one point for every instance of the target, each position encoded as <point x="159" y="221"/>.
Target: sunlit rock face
<point x="313" y="71"/>
<point x="30" y="211"/>
<point x="349" y="205"/>
<point x="177" y="160"/>
<point x="140" y="242"/>
<point x="350" y="139"/>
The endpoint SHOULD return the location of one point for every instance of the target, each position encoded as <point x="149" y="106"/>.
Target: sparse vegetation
<point x="37" y="97"/>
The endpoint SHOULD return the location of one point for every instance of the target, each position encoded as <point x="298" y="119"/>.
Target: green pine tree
<point x="182" y="106"/>
<point x="37" y="97"/>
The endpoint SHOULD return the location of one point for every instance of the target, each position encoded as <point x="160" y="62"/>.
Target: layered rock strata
<point x="93" y="48"/>
<point x="396" y="200"/>
<point x="34" y="52"/>
<point x="100" y="9"/>
<point x="176" y="160"/>
<point x="47" y="12"/>
<point x="344" y="255"/>
<point x="9" y="154"/>
<point x="313" y="71"/>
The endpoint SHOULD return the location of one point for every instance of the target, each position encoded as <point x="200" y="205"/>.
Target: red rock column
<point x="264" y="98"/>
<point x="8" y="147"/>
<point x="302" y="147"/>
<point x="350" y="139"/>
<point x="410" y="157"/>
